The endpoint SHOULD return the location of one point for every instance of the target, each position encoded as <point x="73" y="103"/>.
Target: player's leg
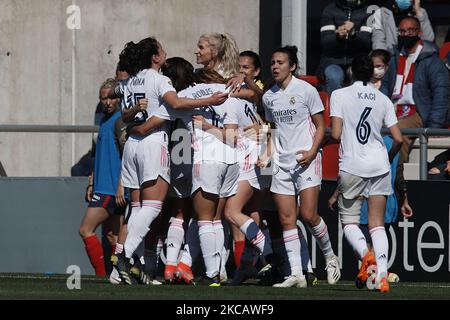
<point x="287" y="211"/>
<point x="377" y="207"/>
<point x="222" y="231"/>
<point x="309" y="198"/>
<point x="175" y="235"/>
<point x="350" y="202"/>
<point x="205" y="205"/>
<point x="93" y="217"/>
<point x="190" y="252"/>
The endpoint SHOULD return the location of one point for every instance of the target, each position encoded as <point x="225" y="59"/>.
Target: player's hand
<point x="332" y="201"/>
<point x="263" y="162"/>
<point x="417" y="8"/>
<point x="200" y="122"/>
<point x="142" y="104"/>
<point x="304" y="158"/>
<point x="120" y="197"/>
<point x="235" y="83"/>
<point x="89" y="193"/>
<point x="217" y="98"/>
<point x="406" y="210"/>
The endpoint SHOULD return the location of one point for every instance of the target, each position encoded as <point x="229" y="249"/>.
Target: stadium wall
<point x="40" y="222"/>
<point x="41" y="217"/>
<point x="54" y="54"/>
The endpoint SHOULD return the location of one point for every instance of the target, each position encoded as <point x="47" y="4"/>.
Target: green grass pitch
<point x="33" y="286"/>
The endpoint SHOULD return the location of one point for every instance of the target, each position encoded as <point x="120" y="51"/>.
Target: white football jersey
<point x="120" y="91"/>
<point x="206" y="146"/>
<point x="245" y="114"/>
<point x="290" y="110"/>
<point x="363" y="110"/>
<point x="148" y="84"/>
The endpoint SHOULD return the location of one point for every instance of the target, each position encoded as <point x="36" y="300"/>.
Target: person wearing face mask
<point x="386" y="20"/>
<point x="344" y="33"/>
<point x="417" y="81"/>
<point x="380" y="59"/>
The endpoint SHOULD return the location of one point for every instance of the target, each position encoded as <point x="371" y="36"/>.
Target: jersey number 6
<point x="363" y="129"/>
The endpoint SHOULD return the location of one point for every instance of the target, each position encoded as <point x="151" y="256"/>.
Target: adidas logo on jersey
<point x="308" y="179"/>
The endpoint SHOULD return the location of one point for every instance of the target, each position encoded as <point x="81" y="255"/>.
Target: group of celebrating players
<point x="219" y="153"/>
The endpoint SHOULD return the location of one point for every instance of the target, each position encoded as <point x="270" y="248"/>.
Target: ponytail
<point x="227" y="53"/>
<point x="129" y="58"/>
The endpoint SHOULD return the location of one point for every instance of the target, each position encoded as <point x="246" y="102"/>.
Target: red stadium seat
<point x="444" y="50"/>
<point x="312" y="80"/>
<point x="330" y="161"/>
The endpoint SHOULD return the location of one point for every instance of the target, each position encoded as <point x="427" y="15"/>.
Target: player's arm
<point x="120" y="194"/>
<point x="398" y="141"/>
<point x="307" y="156"/>
<point x="129" y="114"/>
<point x="248" y="94"/>
<point x="145" y="128"/>
<point x="253" y="93"/>
<point x="227" y="135"/>
<point x="406" y="209"/>
<point x="90" y="188"/>
<point x="176" y="102"/>
<point x="333" y="199"/>
<point x="336" y="128"/>
<point x="266" y="155"/>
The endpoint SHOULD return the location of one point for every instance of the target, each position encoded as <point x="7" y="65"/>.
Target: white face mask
<point x="379" y="72"/>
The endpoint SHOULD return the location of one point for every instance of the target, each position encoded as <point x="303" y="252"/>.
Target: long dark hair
<point x="129" y="58"/>
<point x="180" y="72"/>
<point x="147" y="47"/>
<point x="138" y="56"/>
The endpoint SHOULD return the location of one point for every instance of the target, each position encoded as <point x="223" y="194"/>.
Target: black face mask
<point x="407" y="42"/>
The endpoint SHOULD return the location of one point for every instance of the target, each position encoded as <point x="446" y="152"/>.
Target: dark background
<point x="270" y="27"/>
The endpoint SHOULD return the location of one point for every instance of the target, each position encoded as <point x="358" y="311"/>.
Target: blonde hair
<point x="109" y="83"/>
<point x="227" y="53"/>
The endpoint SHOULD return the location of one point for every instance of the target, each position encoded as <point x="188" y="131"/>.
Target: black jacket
<point x="341" y="51"/>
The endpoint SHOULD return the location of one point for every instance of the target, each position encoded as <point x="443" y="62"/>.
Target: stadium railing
<point x="422" y="133"/>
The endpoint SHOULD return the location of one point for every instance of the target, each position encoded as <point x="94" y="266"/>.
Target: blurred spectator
<point x="417" y="82"/>
<point x="386" y="20"/>
<point x="439" y="168"/>
<point x="344" y="34"/>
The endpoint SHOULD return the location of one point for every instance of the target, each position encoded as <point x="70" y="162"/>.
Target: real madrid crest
<point x="292" y="100"/>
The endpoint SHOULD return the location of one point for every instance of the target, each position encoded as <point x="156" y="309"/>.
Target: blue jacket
<point x="430" y="85"/>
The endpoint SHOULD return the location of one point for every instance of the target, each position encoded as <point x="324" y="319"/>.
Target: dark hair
<point x="147" y="48"/>
<point x="291" y="52"/>
<point x="129" y="58"/>
<point x="362" y="68"/>
<point x="180" y="72"/>
<point x="380" y="53"/>
<point x="138" y="56"/>
<point x="256" y="60"/>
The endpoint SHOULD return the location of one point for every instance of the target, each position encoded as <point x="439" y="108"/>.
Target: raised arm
<point x="175" y="102"/>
